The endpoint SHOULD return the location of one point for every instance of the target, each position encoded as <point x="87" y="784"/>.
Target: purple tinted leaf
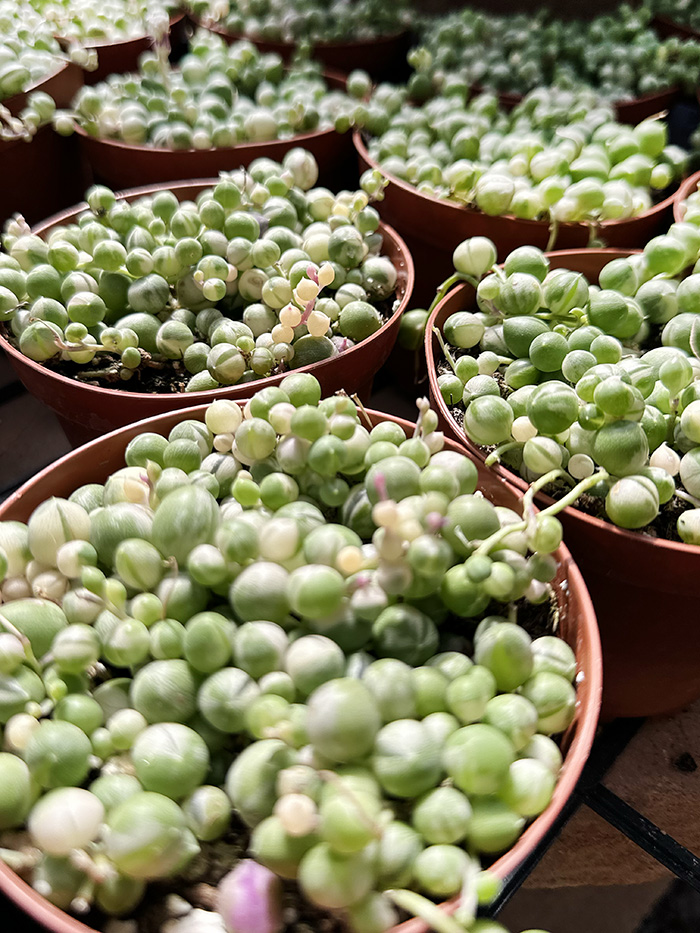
<point x="250" y="899"/>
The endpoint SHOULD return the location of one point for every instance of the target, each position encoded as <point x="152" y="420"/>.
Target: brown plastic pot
<point x="433" y="227"/>
<point x="636" y="109"/>
<point x="381" y="57"/>
<point x="125" y="165"/>
<point x="665" y="28"/>
<point x="121" y="56"/>
<point x="62" y="84"/>
<point x="645" y="590"/>
<point x="87" y="411"/>
<point x="46" y="173"/>
<point x="95" y="461"/>
<point x="688" y="187"/>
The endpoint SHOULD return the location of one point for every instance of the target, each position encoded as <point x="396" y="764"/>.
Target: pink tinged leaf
<point x="307" y="311"/>
<point x="361" y="580"/>
<point x="312" y="274"/>
<point x="250" y="899"/>
<point x="435" y="521"/>
<point x="380" y="486"/>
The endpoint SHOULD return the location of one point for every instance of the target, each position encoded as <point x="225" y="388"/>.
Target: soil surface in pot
<point x="154" y="377"/>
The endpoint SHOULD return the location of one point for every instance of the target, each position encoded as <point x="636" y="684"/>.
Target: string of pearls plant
<point x="264" y="272"/>
<point x="572" y="381"/>
<point x="287" y="616"/>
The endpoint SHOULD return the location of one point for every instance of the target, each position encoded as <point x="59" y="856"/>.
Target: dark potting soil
<point x="664" y="525"/>
<point x="154" y="376"/>
<point x="198" y="884"/>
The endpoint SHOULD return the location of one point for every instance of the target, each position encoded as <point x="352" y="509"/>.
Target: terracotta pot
<point x="95" y="461"/>
<point x="46" y="173"/>
<point x="635" y="110"/>
<point x="124" y="165"/>
<point x="434" y="227"/>
<point x="381" y="57"/>
<point x="123" y="55"/>
<point x="688" y="187"/>
<point x="665" y="28"/>
<point x="62" y="84"/>
<point x="636" y="582"/>
<point x="88" y="411"/>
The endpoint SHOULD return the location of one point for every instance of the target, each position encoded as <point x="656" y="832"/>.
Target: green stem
<point x="540" y="483"/>
<point x="17" y="860"/>
<point x="358" y="401"/>
<point x="426" y="910"/>
<point x="671" y="426"/>
<point x="26" y="644"/>
<point x="98" y="874"/>
<point x="495" y="455"/>
<point x="444" y="288"/>
<point x="588" y="483"/>
<point x="553" y="234"/>
<point x="443" y="347"/>
<point x="593" y="232"/>
<point x="682" y="494"/>
<point x="490" y="543"/>
<point x="559" y="318"/>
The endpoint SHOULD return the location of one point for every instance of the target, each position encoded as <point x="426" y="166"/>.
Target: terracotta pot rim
<point x="585" y="723"/>
<point x="623" y="535"/>
<point x="647" y="98"/>
<point x="101" y="44"/>
<point x="455" y="209"/>
<point x="18" y="100"/>
<point x="222" y="391"/>
<point x="686" y="188"/>
<point x="320" y="46"/>
<point x="681" y="29"/>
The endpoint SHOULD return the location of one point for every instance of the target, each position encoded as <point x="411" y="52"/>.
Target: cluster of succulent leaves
<point x="617" y="53"/>
<point x="558" y="155"/>
<point x="112" y="21"/>
<point x="38" y="111"/>
<point x="28" y="49"/>
<point x="283" y="580"/>
<point x="303" y="22"/>
<point x="263" y="273"/>
<point x="217" y="95"/>
<point x="575" y="381"/>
